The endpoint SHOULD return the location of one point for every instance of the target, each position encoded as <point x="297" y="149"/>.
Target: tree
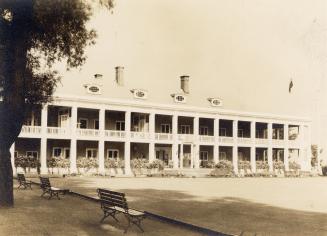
<point x="35" y="34"/>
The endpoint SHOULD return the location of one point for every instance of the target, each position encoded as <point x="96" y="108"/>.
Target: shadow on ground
<point x="34" y="215"/>
<point x="229" y="215"/>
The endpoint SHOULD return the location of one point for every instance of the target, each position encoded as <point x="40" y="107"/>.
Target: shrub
<point x="224" y="165"/>
<point x="263" y="165"/>
<point x="139" y="163"/>
<point x="278" y="165"/>
<point x="27" y="162"/>
<point x="87" y="163"/>
<point x="222" y="169"/>
<point x="110" y="163"/>
<point x="244" y="165"/>
<point x="209" y="164"/>
<point x="156" y="164"/>
<point x="294" y="166"/>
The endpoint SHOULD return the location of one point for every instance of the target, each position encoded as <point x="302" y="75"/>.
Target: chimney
<point x="120" y="75"/>
<point x="184" y="83"/>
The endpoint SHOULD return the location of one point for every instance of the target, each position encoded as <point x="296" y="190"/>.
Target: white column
<point x="101" y="151"/>
<point x="127" y="148"/>
<point x="252" y="154"/>
<point x="196" y="142"/>
<point x="152" y="137"/>
<point x="181" y="156"/>
<point x="43" y="156"/>
<point x="286" y="147"/>
<point x="175" y="141"/>
<point x="151" y="152"/>
<point x="216" y="144"/>
<point x="192" y="156"/>
<point x="73" y="141"/>
<point x="302" y="148"/>
<point x="270" y="158"/>
<point x="308" y="143"/>
<point x="12" y="154"/>
<point x="235" y="147"/>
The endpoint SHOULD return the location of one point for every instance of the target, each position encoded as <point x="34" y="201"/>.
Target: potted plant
<point x="294" y="168"/>
<point x="243" y="167"/>
<point x="138" y="166"/>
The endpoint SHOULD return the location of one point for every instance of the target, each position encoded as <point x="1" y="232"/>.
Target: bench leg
<point x="112" y="214"/>
<point x="128" y="225"/>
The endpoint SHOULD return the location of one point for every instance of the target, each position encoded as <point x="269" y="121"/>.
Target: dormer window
<point x="93" y="89"/>
<point x="139" y="93"/>
<point x="179" y="98"/>
<point x="215" y="102"/>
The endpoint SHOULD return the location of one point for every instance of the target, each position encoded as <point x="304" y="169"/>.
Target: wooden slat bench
<point x="48" y="189"/>
<point x="23" y="182"/>
<point x="113" y="203"/>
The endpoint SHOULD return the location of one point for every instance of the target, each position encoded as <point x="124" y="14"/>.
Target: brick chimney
<point x="185" y="83"/>
<point x="120" y="75"/>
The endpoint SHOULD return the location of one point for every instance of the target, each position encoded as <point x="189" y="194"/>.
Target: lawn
<point x="261" y="206"/>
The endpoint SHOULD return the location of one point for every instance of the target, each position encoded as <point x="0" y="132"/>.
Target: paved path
<point x="273" y="206"/>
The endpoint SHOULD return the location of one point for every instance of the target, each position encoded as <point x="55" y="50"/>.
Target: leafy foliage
<point x="139" y="163"/>
<point x="278" y="165"/>
<point x="244" y="165"/>
<point x="262" y="165"/>
<point x="294" y="166"/>
<point x="27" y="162"/>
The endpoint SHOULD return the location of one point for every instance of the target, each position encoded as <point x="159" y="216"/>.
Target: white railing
<point x="207" y="138"/>
<point x="226" y="139"/>
<point x="186" y="137"/>
<point x="88" y="132"/>
<point x="140" y="135"/>
<point x="261" y="141"/>
<point x="279" y="142"/>
<point x="57" y="130"/>
<point x="163" y="136"/>
<point x="244" y="140"/>
<point x="31" y="129"/>
<point x="115" y="133"/>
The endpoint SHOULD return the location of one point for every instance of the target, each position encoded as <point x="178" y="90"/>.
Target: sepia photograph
<point x="163" y="117"/>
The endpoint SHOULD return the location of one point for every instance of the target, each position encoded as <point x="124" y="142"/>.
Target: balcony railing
<point x="261" y="141"/>
<point x="88" y="132"/>
<point x="57" y="130"/>
<point x="31" y="129"/>
<point x="278" y="142"/>
<point x="186" y="137"/>
<point x="226" y="139"/>
<point x="140" y="135"/>
<point x="163" y="136"/>
<point x="244" y="140"/>
<point x="115" y="133"/>
<point x="207" y="138"/>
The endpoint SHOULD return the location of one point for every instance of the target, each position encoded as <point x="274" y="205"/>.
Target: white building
<point x="181" y="135"/>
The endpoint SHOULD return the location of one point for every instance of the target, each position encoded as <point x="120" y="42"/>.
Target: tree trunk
<point x="6" y="178"/>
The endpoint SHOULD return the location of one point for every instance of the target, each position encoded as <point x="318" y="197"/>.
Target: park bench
<point x="113" y="203"/>
<point x="48" y="189"/>
<point x="23" y="182"/>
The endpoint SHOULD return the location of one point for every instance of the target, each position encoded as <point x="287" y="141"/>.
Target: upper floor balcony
<point x="30" y="130"/>
<point x="163" y="136"/>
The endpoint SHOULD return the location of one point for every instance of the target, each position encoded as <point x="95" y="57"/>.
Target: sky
<point x="242" y="51"/>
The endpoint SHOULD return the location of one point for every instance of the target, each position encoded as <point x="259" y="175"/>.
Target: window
<point x="83" y="123"/>
<point x="96" y="124"/>
<point x="91" y="152"/>
<point x="222" y="155"/>
<point x="28" y="122"/>
<point x="240" y="133"/>
<point x="120" y="125"/>
<point x="32" y="154"/>
<point x="165" y="128"/>
<point x="222" y="132"/>
<point x="203" y="155"/>
<point x="179" y="98"/>
<point x="185" y="129"/>
<point x="63" y="120"/>
<point x="216" y="102"/>
<point x="203" y="130"/>
<point x="113" y="153"/>
<point x="57" y="152"/>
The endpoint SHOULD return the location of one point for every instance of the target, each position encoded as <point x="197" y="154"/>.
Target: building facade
<point x="182" y="136"/>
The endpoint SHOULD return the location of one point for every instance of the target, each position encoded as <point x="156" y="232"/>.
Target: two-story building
<point x="181" y="135"/>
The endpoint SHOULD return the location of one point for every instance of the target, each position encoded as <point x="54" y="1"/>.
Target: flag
<point x="290" y="86"/>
